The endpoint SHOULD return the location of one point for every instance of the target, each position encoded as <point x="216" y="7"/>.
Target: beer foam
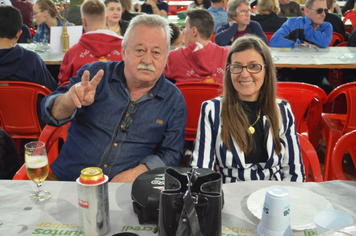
<point x="36" y="162"/>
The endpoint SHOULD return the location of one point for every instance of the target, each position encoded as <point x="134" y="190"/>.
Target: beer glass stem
<point x="40" y="191"/>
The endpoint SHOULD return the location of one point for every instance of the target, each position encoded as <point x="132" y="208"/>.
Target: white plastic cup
<point x="326" y="220"/>
<point x="275" y="220"/>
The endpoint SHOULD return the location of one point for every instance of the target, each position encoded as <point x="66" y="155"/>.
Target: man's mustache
<point x="146" y="67"/>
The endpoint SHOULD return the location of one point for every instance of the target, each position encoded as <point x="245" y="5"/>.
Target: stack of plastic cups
<point x="275" y="220"/>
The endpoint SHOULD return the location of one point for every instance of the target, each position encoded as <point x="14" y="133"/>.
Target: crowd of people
<point x="126" y="114"/>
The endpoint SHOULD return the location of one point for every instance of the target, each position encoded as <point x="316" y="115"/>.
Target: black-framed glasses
<point x="244" y="12"/>
<point x="320" y="10"/>
<point x="251" y="68"/>
<point x="127" y="120"/>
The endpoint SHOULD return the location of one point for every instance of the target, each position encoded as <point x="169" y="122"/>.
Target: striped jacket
<point x="210" y="152"/>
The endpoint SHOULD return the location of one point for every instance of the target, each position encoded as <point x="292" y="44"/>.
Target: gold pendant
<point x="251" y="129"/>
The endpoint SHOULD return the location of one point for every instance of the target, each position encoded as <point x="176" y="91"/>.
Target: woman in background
<point x="199" y="4"/>
<point x="46" y="15"/>
<point x="127" y="10"/>
<point x="239" y="24"/>
<point x="115" y="23"/>
<point x="177" y="38"/>
<point x="267" y="15"/>
<point x="249" y="134"/>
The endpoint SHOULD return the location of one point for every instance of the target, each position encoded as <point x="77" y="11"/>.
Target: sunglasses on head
<point x="320" y="10"/>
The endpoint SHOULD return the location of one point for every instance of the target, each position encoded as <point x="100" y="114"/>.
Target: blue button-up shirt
<point x="220" y="16"/>
<point x="95" y="138"/>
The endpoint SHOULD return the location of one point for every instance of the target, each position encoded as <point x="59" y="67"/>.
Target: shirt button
<point x="105" y="166"/>
<point x="115" y="144"/>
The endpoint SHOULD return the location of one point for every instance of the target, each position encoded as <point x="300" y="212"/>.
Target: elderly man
<point x="289" y="8"/>
<point x="126" y="117"/>
<point x="200" y="60"/>
<point x="310" y="31"/>
<point x="97" y="44"/>
<point x="157" y="7"/>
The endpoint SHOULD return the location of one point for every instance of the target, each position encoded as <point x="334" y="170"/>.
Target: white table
<point x="48" y="57"/>
<point x="20" y="216"/>
<point x="179" y="3"/>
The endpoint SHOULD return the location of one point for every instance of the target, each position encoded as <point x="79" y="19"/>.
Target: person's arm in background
<point x="278" y="39"/>
<point x="257" y="30"/>
<point x="225" y="34"/>
<point x="321" y="37"/>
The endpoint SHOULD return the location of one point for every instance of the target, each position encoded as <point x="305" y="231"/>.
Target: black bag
<point x="190" y="204"/>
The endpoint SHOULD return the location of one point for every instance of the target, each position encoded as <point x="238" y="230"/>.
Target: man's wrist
<point x="154" y="7"/>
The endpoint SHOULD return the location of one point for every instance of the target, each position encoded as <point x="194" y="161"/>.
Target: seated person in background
<point x="97" y="44"/>
<point x="337" y="8"/>
<point x="26" y="10"/>
<point x="127" y="10"/>
<point x="249" y="134"/>
<point x="267" y="15"/>
<point x="114" y="21"/>
<point x="126" y="117"/>
<point x="157" y="7"/>
<point x="334" y="20"/>
<point x="289" y="8"/>
<point x="200" y="60"/>
<point x="310" y="30"/>
<point x="348" y="6"/>
<point x="177" y="38"/>
<point x="238" y="15"/>
<point x="72" y="14"/>
<point x="352" y="39"/>
<point x="218" y="11"/>
<point x="46" y="14"/>
<point x="350" y="74"/>
<point x="199" y="4"/>
<point x="16" y="62"/>
<point x="25" y="37"/>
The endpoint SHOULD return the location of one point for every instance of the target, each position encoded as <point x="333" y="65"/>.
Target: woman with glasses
<point x="46" y="15"/>
<point x="249" y="134"/>
<point x="239" y="24"/>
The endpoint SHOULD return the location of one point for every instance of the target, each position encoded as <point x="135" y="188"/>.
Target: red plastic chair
<point x="18" y="109"/>
<point x="269" y="36"/>
<point x="310" y="160"/>
<point x="32" y="32"/>
<point x="307" y="102"/>
<point x="50" y="136"/>
<point x="352" y="17"/>
<point x="337" y="38"/>
<point x="346" y="143"/>
<point x="337" y="124"/>
<point x="195" y="93"/>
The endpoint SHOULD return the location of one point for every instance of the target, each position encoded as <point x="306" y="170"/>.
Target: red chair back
<point x="307" y="102"/>
<point x="343" y="44"/>
<point x="346" y="143"/>
<point x="352" y="17"/>
<point x="195" y="93"/>
<point x="18" y="108"/>
<point x="337" y="38"/>
<point x="50" y="136"/>
<point x="269" y="36"/>
<point x="310" y="160"/>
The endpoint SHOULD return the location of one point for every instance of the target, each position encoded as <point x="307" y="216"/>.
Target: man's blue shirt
<point x="220" y="16"/>
<point x="95" y="137"/>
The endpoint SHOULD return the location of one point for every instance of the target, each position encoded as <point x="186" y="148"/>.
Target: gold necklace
<point x="251" y="129"/>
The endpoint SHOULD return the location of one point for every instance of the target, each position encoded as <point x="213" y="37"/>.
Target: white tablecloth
<point x="59" y="215"/>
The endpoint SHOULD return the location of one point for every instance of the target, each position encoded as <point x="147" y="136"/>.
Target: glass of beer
<point x="37" y="167"/>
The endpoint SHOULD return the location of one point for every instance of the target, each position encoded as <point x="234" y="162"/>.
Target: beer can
<point x="93" y="200"/>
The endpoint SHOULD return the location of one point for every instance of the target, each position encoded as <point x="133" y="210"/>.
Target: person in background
<point x="267" y="15"/>
<point x="308" y="31"/>
<point x="348" y="6"/>
<point x="218" y="11"/>
<point x="46" y="15"/>
<point x="337" y="8"/>
<point x="26" y="10"/>
<point x="127" y="10"/>
<point x="334" y="20"/>
<point x="248" y="133"/>
<point x="200" y="60"/>
<point x="97" y="44"/>
<point x="238" y="15"/>
<point x="16" y="62"/>
<point x="349" y="75"/>
<point x="199" y="4"/>
<point x="72" y="14"/>
<point x="114" y="22"/>
<point x="157" y="7"/>
<point x="289" y="8"/>
<point x="126" y="117"/>
<point x="177" y="38"/>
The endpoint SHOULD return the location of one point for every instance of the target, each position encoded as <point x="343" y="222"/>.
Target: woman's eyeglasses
<point x="251" y="68"/>
<point x="320" y="10"/>
<point x="244" y="12"/>
<point x="35" y="13"/>
<point x="127" y="120"/>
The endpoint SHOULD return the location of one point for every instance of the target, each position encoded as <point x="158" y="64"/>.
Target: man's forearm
<point x="63" y="107"/>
